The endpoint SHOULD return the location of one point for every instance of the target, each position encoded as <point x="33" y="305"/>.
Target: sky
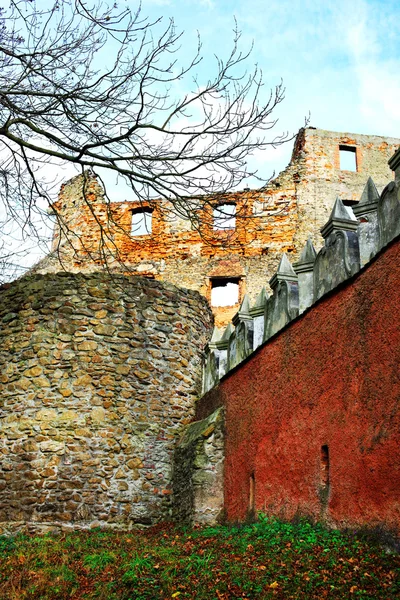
<point x="339" y="61"/>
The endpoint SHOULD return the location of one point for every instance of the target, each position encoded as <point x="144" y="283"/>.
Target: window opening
<point x="224" y="217"/>
<point x="348" y="158"/>
<point x="325" y="466"/>
<point x="141" y="222"/>
<point x="224" y="292"/>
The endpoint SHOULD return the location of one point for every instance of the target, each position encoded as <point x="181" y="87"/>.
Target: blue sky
<point x="339" y="60"/>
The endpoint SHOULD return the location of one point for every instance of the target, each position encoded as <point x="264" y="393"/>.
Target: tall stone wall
<point x="99" y="375"/>
<point x="312" y="418"/>
<point x="276" y="218"/>
<point x="308" y="377"/>
<point x="321" y="179"/>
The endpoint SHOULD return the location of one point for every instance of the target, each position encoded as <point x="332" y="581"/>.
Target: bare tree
<point x="90" y="85"/>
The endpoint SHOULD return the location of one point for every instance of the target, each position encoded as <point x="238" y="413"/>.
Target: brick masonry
<point x="275" y="219"/>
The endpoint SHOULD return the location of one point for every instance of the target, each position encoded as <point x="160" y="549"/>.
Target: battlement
<point x="352" y="237"/>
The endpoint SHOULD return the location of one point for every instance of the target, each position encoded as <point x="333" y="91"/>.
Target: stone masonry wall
<point x="99" y="376"/>
<point x="198" y="472"/>
<point x="312" y="416"/>
<point x="321" y="180"/>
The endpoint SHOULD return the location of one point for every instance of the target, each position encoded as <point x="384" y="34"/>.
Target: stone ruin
<point x="101" y="373"/>
<point x="244" y="251"/>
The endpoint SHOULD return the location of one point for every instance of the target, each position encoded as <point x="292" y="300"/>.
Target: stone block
<point x="366" y="212"/>
<point x="389" y="213"/>
<point x="304" y="269"/>
<point x="339" y="259"/>
<point x="258" y="314"/>
<point x="283" y="305"/>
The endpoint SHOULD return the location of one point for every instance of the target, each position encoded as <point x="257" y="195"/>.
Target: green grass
<point x="267" y="559"/>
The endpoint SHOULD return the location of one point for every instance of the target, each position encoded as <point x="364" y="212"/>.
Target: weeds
<point x="257" y="561"/>
<point x="98" y="562"/>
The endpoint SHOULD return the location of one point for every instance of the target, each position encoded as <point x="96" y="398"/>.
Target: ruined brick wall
<point x="321" y="180"/>
<point x="312" y="417"/>
<point x="276" y="219"/>
<point x="99" y="375"/>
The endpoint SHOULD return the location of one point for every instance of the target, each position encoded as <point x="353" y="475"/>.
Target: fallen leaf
<point x="274" y="585"/>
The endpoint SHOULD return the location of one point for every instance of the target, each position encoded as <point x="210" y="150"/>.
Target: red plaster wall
<point x="331" y="378"/>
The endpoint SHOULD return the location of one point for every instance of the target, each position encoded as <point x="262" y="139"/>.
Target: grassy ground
<point x="269" y="559"/>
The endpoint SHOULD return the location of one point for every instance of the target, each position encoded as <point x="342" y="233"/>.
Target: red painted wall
<point x="331" y="378"/>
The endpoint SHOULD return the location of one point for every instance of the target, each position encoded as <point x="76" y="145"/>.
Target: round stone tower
<point x="99" y="377"/>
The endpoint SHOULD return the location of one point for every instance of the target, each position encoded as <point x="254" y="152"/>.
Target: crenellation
<point x="257" y="312"/>
<point x="352" y="238"/>
<point x="366" y="212"/>
<point x="283" y="305"/>
<point x="304" y="270"/>
<point x="389" y="213"/>
<point x="339" y="258"/>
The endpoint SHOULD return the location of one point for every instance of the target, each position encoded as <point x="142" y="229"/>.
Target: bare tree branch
<point x="87" y="84"/>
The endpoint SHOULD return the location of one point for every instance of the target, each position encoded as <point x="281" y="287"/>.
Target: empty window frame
<point x="224" y="291"/>
<point x="224" y="217"/>
<point x="141" y="221"/>
<point x="348" y="158"/>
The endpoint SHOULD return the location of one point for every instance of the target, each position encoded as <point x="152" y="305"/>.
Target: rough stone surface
<point x="99" y="376"/>
<point x="330" y="380"/>
<point x="368" y="228"/>
<point x="275" y="219"/>
<point x="198" y="471"/>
